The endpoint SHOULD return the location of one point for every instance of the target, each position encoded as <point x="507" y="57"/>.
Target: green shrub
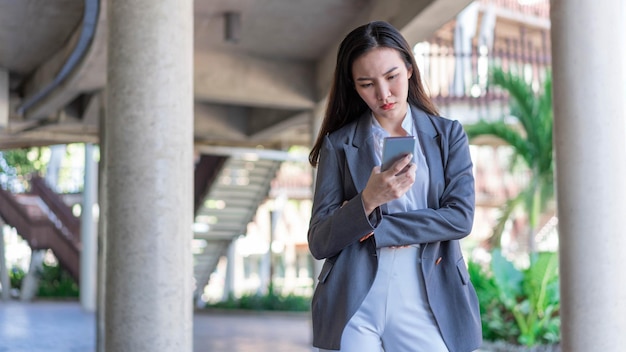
<point x="516" y="305"/>
<point x="270" y="301"/>
<point x="497" y="322"/>
<point x="56" y="282"/>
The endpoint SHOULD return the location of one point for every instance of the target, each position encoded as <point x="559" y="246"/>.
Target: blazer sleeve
<point x="335" y="225"/>
<point x="453" y="218"/>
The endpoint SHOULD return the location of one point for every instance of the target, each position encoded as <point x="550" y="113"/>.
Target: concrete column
<point x="229" y="277"/>
<point x="30" y="283"/>
<point x="102" y="230"/>
<point x="4" y="270"/>
<point x="239" y="274"/>
<point x="57" y="153"/>
<point x="291" y="276"/>
<point x="149" y="147"/>
<point x="88" y="234"/>
<point x="274" y="216"/>
<point x="265" y="269"/>
<point x="589" y="67"/>
<point x="4" y="98"/>
<point x="265" y="265"/>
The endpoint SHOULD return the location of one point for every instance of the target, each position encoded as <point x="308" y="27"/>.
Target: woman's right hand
<point x="388" y="185"/>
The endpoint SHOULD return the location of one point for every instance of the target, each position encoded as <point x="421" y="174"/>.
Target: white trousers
<point x="395" y="315"/>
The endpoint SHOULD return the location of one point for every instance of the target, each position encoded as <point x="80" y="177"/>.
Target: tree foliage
<point x="530" y="137"/>
<point x="21" y="161"/>
<point x="16" y="164"/>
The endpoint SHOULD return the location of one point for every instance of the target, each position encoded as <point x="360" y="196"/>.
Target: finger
<point x="410" y="168"/>
<point x="405" y="180"/>
<point x="399" y="165"/>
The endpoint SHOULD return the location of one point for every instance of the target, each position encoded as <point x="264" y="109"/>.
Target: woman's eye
<point x="365" y="85"/>
<point x="393" y="76"/>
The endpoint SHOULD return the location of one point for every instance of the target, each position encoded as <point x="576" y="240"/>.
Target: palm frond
<point x="506" y="133"/>
<point x="504" y="216"/>
<point x="545" y="116"/>
<point x="533" y="144"/>
<point x="521" y="94"/>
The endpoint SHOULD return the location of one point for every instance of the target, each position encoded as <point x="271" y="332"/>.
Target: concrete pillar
<point x="464" y="32"/>
<point x="239" y="274"/>
<point x="265" y="269"/>
<point x="4" y="98"/>
<point x="57" y="153"/>
<point x="102" y="230"/>
<point x="149" y="147"/>
<point x="265" y="265"/>
<point x="589" y="67"/>
<point x="88" y="234"/>
<point x="4" y="270"/>
<point x="229" y="276"/>
<point x="291" y="275"/>
<point x="30" y="283"/>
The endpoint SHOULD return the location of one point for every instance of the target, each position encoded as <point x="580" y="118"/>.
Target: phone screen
<point x="395" y="148"/>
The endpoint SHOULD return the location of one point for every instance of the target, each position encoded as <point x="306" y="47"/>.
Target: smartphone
<point x="395" y="148"/>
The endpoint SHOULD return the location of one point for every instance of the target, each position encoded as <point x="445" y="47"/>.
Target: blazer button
<point x="438" y="261"/>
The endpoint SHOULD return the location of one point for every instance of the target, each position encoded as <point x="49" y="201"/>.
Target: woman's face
<point x="381" y="79"/>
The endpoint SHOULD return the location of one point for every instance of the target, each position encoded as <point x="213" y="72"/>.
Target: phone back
<point x="395" y="148"/>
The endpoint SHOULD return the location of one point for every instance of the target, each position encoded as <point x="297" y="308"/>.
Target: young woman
<point x="394" y="278"/>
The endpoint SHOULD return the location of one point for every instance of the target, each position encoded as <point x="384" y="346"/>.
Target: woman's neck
<point x="393" y="125"/>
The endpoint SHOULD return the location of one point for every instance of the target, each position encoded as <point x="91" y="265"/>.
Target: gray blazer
<point x="345" y="163"/>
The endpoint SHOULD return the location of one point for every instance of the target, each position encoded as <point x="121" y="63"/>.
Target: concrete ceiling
<point x="264" y="89"/>
<point x="31" y="31"/>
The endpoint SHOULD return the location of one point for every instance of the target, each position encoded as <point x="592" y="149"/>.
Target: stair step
<point x="229" y="207"/>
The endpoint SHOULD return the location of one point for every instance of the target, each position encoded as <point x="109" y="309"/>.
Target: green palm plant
<point x="531" y="141"/>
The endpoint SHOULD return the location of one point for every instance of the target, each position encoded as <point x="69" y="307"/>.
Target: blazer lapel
<point x="430" y="142"/>
<point x="360" y="153"/>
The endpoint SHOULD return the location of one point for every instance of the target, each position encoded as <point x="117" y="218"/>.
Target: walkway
<point x="65" y="327"/>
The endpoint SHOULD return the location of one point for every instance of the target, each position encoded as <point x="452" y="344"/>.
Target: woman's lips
<point x="387" y="106"/>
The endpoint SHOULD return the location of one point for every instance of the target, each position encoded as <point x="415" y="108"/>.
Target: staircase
<point x="227" y="193"/>
<point x="224" y="213"/>
<point x="45" y="222"/>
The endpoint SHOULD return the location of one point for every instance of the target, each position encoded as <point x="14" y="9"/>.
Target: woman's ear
<point x="409" y="71"/>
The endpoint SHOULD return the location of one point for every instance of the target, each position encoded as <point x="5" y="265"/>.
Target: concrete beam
<point x="88" y="75"/>
<point x="250" y="154"/>
<point x="416" y="19"/>
<point x="236" y="79"/>
<point x="57" y="136"/>
<point x="213" y="121"/>
<point x="430" y="18"/>
<point x="91" y="112"/>
<point x="271" y="130"/>
<point x="4" y="98"/>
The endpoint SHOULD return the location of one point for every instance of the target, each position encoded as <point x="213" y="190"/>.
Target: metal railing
<point x="539" y="8"/>
<point x="463" y="77"/>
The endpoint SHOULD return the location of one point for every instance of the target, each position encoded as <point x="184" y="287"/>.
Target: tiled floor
<point x="65" y="327"/>
<point x="39" y="327"/>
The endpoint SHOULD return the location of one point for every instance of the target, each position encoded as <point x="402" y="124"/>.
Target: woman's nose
<point x="382" y="92"/>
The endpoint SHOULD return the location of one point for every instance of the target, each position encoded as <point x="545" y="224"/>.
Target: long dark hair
<point x="344" y="103"/>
